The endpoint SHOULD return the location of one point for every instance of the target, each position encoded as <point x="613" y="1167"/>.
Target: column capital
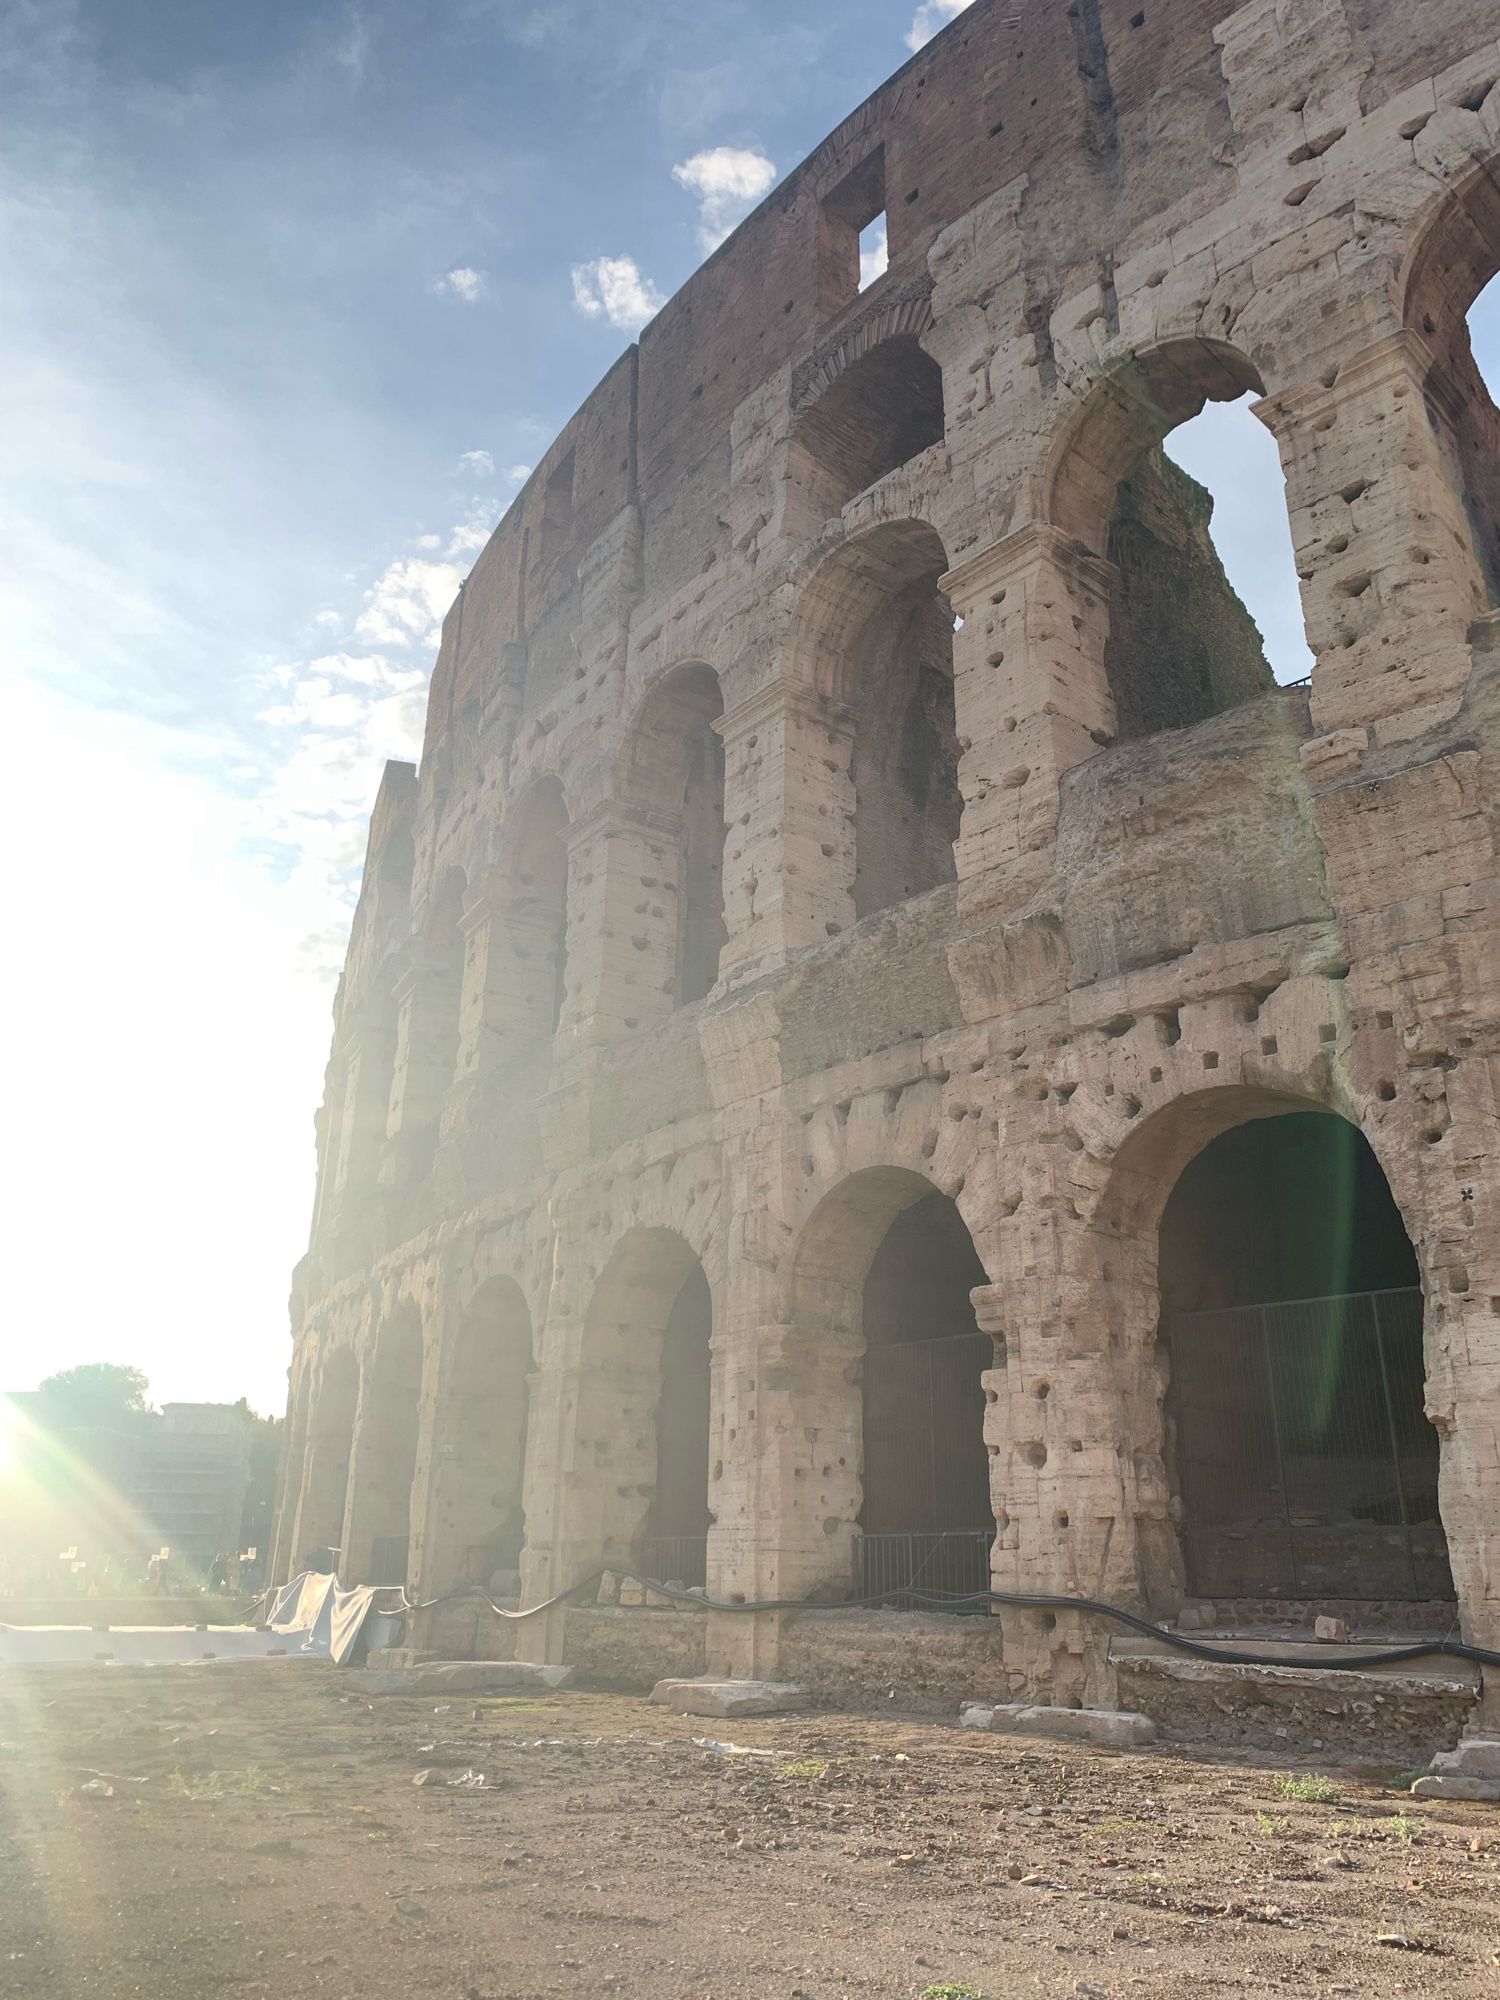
<point x="1027" y="548"/>
<point x="616" y="816"/>
<point x="1400" y="356"/>
<point x="780" y="697"/>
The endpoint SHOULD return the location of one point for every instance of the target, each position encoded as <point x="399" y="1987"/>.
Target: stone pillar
<point x="1077" y="1479"/>
<point x="622" y="923"/>
<point x="277" y="1559"/>
<point x="1390" y="581"/>
<point x="789" y="815"/>
<point x="508" y="1004"/>
<point x="318" y="1521"/>
<point x="1030" y="693"/>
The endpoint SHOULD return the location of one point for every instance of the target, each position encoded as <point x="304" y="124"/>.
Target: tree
<point x="98" y="1393"/>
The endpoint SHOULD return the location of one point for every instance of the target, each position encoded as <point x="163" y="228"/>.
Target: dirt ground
<point x="183" y="1832"/>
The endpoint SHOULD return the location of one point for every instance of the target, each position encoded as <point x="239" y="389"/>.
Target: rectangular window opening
<point x="874" y="251"/>
<point x="852" y="234"/>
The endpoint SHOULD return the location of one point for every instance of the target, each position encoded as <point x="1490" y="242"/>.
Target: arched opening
<point x="1181" y="645"/>
<point x="476" y="1525"/>
<point x="539" y="911"/>
<point x="676" y="754"/>
<point x="878" y="412"/>
<point x="887" y="1262"/>
<point x="379" y="1530"/>
<point x="876" y="632"/>
<point x="637" y="1495"/>
<point x="1453" y="304"/>
<point x="1292" y="1319"/>
<point x="319" y="1531"/>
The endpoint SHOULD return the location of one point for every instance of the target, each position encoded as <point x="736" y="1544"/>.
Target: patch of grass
<point x="1121" y="1823"/>
<point x="1404" y="1827"/>
<point x="1404" y="1780"/>
<point x="1272" y="1827"/>
<point x="250" y="1782"/>
<point x="948" y="1991"/>
<point x="808" y="1767"/>
<point x="1152" y="1881"/>
<point x="1312" y="1791"/>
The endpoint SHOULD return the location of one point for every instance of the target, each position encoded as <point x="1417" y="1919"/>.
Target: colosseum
<point x="881" y="1057"/>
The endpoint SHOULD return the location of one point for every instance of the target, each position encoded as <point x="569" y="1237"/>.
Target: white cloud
<point x="516" y="474"/>
<point x="407" y="602"/>
<point x="728" y="181"/>
<point x="474" y="530"/>
<point x="617" y="289"/>
<point x="874" y="256"/>
<point x="480" y="463"/>
<point x="929" y="17"/>
<point x="462" y="283"/>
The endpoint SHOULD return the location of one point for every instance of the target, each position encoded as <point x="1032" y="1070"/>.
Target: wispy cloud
<point x="616" y="289"/>
<point x="728" y="181"/>
<point x="480" y="463"/>
<point x="406" y="603"/>
<point x="929" y="17"/>
<point x="464" y="282"/>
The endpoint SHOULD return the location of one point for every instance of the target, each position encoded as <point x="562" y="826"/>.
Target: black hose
<point x="1419" y="1649"/>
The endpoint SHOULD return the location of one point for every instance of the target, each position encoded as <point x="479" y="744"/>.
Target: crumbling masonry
<point x="873" y="1007"/>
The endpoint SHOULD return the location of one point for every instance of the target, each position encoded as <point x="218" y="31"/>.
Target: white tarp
<point x="315" y="1618"/>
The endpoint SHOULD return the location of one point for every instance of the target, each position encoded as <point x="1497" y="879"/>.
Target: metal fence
<point x="955" y="1561"/>
<point x="674" y="1559"/>
<point x="1306" y="1464"/>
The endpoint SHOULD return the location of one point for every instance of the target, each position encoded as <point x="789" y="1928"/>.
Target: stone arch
<point x="884" y="1276"/>
<point x="474" y="1527"/>
<point x="1264" y="1288"/>
<point x="1178" y="646"/>
<point x="535" y="878"/>
<point x="673" y="762"/>
<point x="1455" y="252"/>
<point x="378" y="1520"/>
<point x="863" y="408"/>
<point x="872" y="634"/>
<point x="329" y="1450"/>
<point x="632" y="1329"/>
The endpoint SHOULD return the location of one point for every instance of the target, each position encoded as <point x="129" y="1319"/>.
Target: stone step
<point x="1113" y="1729"/>
<point x="464" y="1677"/>
<point x="717" y="1697"/>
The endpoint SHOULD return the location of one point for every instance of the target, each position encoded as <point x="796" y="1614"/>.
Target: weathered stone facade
<point x="781" y="851"/>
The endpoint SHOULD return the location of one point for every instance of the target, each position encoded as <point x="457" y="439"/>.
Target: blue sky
<point x="291" y="296"/>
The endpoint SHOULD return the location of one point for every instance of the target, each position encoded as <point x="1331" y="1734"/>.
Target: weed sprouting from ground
<point x="1311" y="1790"/>
<point x="963" y="1991"/>
<point x="1272" y="1827"/>
<point x="804" y="1767"/>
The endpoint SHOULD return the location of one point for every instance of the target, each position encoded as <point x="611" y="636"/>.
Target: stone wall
<point x="972" y="938"/>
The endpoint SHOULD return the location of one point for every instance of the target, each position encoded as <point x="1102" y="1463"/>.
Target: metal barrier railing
<point x="1306" y="1463"/>
<point x="674" y="1559"/>
<point x="956" y="1560"/>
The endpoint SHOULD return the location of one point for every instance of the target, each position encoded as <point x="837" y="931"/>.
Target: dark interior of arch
<point x="1182" y="647"/>
<point x="926" y="1465"/>
<point x="883" y="410"/>
<point x="678" y="1524"/>
<point x="905" y="761"/>
<point x="1296" y="1434"/>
